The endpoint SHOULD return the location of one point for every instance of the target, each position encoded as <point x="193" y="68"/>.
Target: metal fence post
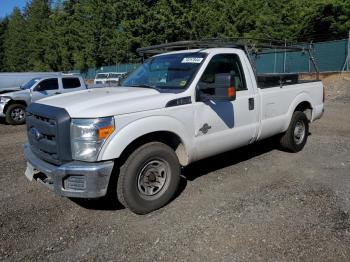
<point x="285" y="56"/>
<point x="348" y="56"/>
<point x="275" y="64"/>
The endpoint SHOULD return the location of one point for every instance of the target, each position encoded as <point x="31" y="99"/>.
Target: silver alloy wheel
<point x="152" y="177"/>
<point x="299" y="132"/>
<point x="18" y="114"/>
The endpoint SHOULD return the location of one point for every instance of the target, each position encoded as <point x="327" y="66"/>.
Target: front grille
<point x="42" y="136"/>
<point x="48" y="133"/>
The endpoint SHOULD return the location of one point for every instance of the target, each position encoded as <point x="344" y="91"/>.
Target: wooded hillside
<point x="90" y="33"/>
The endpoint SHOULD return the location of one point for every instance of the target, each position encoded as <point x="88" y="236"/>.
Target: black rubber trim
<point x="289" y="84"/>
<point x="179" y="101"/>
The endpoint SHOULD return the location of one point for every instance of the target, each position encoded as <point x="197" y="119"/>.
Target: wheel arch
<point x="12" y="102"/>
<point x="303" y="103"/>
<point x="152" y="129"/>
<point x="305" y="107"/>
<point x="166" y="137"/>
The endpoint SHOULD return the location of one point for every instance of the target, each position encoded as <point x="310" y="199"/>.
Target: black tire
<point x="153" y="163"/>
<point x="15" y="114"/>
<point x="290" y="141"/>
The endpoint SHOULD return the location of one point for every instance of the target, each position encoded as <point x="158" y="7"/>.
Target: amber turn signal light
<point x="104" y="132"/>
<point x="231" y="92"/>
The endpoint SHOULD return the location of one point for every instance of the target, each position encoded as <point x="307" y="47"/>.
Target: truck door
<point x="45" y="88"/>
<point x="222" y="126"/>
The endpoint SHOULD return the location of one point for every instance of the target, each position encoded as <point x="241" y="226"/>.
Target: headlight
<point x="88" y="136"/>
<point x="4" y="99"/>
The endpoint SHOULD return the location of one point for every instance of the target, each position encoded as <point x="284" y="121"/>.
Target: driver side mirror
<point x="221" y="90"/>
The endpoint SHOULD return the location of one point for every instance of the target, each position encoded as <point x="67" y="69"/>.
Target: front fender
<point x="14" y="101"/>
<point x="117" y="143"/>
<point x="24" y="97"/>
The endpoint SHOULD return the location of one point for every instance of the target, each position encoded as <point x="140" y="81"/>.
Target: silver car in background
<point x="14" y="102"/>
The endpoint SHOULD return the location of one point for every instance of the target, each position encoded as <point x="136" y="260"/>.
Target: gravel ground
<point x="251" y="204"/>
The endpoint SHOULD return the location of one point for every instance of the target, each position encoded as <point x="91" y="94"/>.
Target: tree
<point x="81" y="34"/>
<point x="327" y="20"/>
<point x="3" y="29"/>
<point x="15" y="43"/>
<point x="37" y="15"/>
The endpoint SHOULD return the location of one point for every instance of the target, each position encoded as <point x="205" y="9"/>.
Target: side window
<point x="48" y="84"/>
<point x="225" y="63"/>
<point x="113" y="76"/>
<point x="71" y="82"/>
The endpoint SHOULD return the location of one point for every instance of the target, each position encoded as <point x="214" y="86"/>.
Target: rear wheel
<point x="16" y="114"/>
<point x="149" y="178"/>
<point x="294" y="139"/>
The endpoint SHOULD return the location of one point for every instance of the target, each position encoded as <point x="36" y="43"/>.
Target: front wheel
<point x="294" y="139"/>
<point x="149" y="178"/>
<point x="16" y="114"/>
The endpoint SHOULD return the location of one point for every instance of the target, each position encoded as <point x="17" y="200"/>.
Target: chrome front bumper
<point x="73" y="179"/>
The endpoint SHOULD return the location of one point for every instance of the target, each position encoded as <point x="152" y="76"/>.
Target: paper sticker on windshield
<point x="192" y="60"/>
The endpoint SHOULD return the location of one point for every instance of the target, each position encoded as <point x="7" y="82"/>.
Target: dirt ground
<point x="251" y="204"/>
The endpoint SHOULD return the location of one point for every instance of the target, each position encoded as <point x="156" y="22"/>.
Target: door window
<point x="48" y="84"/>
<point x="225" y="63"/>
<point x="114" y="75"/>
<point x="71" y="82"/>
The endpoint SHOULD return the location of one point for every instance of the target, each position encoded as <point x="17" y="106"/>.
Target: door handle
<point x="251" y="103"/>
<point x="58" y="93"/>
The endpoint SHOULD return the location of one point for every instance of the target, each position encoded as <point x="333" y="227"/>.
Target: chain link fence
<point x="330" y="56"/>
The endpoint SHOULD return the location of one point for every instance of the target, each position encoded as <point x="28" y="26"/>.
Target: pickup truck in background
<point x="178" y="107"/>
<point x="13" y="81"/>
<point x="14" y="102"/>
<point x="109" y="78"/>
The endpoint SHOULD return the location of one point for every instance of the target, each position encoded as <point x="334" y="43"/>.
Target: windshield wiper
<point x="145" y="86"/>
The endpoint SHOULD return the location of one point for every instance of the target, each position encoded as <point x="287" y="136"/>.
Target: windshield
<point x="30" y="83"/>
<point x="101" y="76"/>
<point x="173" y="71"/>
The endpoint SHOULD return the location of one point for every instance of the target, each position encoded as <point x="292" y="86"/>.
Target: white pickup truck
<point x="176" y="108"/>
<point x="109" y="78"/>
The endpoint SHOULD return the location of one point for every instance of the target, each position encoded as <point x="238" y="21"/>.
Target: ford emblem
<point x="35" y="132"/>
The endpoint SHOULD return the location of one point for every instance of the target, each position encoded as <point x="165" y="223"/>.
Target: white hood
<point x="113" y="101"/>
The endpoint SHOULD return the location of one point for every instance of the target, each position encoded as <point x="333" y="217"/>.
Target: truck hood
<point x="9" y="90"/>
<point x="102" y="102"/>
<point x="20" y="94"/>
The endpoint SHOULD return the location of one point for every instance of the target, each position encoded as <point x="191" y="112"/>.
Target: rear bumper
<point x="318" y="112"/>
<point x="73" y="179"/>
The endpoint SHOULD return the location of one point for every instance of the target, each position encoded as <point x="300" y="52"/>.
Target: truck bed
<point x="273" y="80"/>
<point x="278" y="104"/>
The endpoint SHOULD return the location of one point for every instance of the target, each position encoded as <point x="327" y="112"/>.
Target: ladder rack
<point x="251" y="46"/>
